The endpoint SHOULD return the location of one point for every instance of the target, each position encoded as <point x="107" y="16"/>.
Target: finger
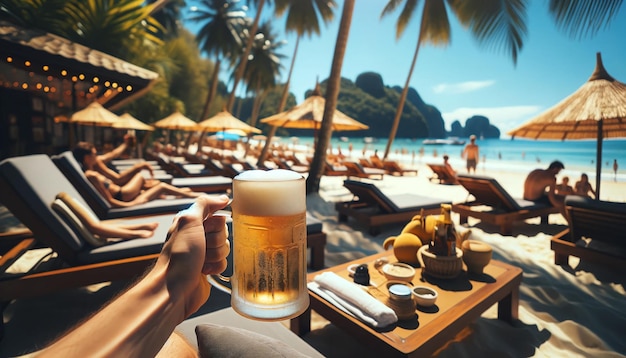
<point x="212" y="203"/>
<point x="214" y="268"/>
<point x="214" y="224"/>
<point x="217" y="254"/>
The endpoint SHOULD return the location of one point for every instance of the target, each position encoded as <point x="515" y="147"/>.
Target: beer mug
<point x="269" y="245"/>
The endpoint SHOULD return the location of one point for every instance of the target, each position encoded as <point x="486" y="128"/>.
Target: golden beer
<point x="269" y="245"/>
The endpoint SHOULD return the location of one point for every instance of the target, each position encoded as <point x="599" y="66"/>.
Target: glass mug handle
<point x="218" y="281"/>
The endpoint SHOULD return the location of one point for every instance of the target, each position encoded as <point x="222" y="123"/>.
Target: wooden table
<point x="461" y="301"/>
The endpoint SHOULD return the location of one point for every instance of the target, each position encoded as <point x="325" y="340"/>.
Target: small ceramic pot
<point x="476" y="255"/>
<point x="398" y="271"/>
<point x="424" y="296"/>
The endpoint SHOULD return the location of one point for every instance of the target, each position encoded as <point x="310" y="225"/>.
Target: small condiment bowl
<point x="424" y="296"/>
<point x="398" y="271"/>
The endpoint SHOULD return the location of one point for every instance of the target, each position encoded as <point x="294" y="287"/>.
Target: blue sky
<point x="463" y="79"/>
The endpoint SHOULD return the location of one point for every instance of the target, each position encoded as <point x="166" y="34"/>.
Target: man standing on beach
<point x="538" y="180"/>
<point x="470" y="153"/>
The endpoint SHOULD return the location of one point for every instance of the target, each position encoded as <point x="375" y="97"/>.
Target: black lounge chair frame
<point x="373" y="208"/>
<point x="494" y="205"/>
<point x="600" y="221"/>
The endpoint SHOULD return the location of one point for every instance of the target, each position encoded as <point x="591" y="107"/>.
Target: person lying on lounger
<point x="102" y="232"/>
<point x="141" y="321"/>
<point x="136" y="190"/>
<point x="100" y="164"/>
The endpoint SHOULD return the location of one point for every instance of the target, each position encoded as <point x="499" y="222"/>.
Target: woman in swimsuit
<point x="136" y="190"/>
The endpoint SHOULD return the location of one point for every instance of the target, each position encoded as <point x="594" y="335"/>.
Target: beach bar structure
<point x="44" y="76"/>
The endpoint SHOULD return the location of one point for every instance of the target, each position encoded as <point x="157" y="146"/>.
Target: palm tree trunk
<point x="212" y="89"/>
<point x="405" y="91"/>
<point x="281" y="105"/>
<point x="256" y="104"/>
<point x="244" y="56"/>
<point x="283" y="99"/>
<point x="332" y="92"/>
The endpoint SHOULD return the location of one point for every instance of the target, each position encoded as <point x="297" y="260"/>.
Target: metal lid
<point x="399" y="291"/>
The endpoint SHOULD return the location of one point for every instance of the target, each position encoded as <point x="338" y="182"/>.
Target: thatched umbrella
<point x="309" y="114"/>
<point x="177" y="121"/>
<point x="224" y="121"/>
<point x="127" y="121"/>
<point x="596" y="110"/>
<point x="94" y="114"/>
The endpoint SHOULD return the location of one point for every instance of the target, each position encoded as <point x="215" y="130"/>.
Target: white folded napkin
<point x="352" y="299"/>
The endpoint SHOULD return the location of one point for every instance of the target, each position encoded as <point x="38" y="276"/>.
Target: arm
<point x="138" y="322"/>
<point x="123" y="177"/>
<point x="107" y="157"/>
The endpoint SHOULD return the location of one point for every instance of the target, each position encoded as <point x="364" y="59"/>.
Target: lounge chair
<point x="67" y="165"/>
<point x="494" y="205"/>
<point x="601" y="223"/>
<point x="28" y="195"/>
<point x="371" y="207"/>
<point x="356" y="170"/>
<point x="29" y="186"/>
<point x="441" y="173"/>
<point x="331" y="169"/>
<point x="394" y="168"/>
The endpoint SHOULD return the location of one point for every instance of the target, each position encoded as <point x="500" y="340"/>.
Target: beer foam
<point x="268" y="175"/>
<point x="275" y="192"/>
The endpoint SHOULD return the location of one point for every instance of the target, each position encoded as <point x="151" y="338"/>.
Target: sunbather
<point x="446" y="164"/>
<point x="583" y="187"/>
<point x="564" y="188"/>
<point x="136" y="190"/>
<point x="139" y="322"/>
<point x="539" y="180"/>
<point x="107" y="230"/>
<point x="85" y="148"/>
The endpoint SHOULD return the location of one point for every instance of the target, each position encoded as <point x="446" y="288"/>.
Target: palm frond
<point x="582" y="18"/>
<point x="500" y="24"/>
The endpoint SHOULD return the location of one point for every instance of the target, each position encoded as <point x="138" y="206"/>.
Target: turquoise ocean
<point x="513" y="155"/>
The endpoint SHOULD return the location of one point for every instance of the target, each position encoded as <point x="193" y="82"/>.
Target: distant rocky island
<point x="371" y="102"/>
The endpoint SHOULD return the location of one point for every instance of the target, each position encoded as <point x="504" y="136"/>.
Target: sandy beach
<point x="575" y="311"/>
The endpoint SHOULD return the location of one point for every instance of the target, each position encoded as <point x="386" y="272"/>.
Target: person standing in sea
<point x="470" y="153"/>
<point x="615" y="169"/>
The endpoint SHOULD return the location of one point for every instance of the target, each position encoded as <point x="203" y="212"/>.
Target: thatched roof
<point x="601" y="98"/>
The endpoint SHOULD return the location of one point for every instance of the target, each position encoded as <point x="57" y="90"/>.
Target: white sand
<point x="576" y="311"/>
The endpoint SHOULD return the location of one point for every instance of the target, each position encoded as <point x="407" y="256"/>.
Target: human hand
<point x="147" y="167"/>
<point x="197" y="246"/>
<point x="130" y="139"/>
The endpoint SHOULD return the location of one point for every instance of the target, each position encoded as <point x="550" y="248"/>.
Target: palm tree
<point x="302" y="18"/>
<point x="498" y="23"/>
<point x="246" y="52"/>
<point x="168" y="15"/>
<point x="219" y="36"/>
<point x="99" y="24"/>
<point x="332" y="92"/>
<point x="263" y="67"/>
